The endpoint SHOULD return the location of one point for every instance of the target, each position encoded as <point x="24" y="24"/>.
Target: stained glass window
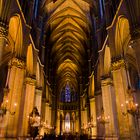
<point x="35" y="8"/>
<point x="67" y="94"/>
<point x="101" y="3"/>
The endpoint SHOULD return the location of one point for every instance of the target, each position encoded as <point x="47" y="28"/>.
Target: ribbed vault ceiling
<point x="69" y="26"/>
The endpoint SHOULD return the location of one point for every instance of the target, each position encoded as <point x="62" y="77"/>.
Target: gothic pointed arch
<point x="122" y="35"/>
<point x="107" y="60"/>
<point x="29" y="60"/>
<point x="16" y="35"/>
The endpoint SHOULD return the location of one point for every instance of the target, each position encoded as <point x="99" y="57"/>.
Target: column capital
<point x="106" y="82"/>
<point x="38" y="91"/>
<point x="3" y="30"/>
<point x="47" y="104"/>
<point x="30" y="81"/>
<point x="17" y="62"/>
<point x="39" y="88"/>
<point x="92" y="99"/>
<point x="118" y="64"/>
<point x="6" y="91"/>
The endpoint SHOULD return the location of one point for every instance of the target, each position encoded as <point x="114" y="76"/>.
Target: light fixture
<point x="4" y="109"/>
<point x="90" y="123"/>
<point x="102" y="118"/>
<point x="131" y="107"/>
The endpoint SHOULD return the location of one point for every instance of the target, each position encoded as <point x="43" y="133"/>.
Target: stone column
<point x="82" y="120"/>
<point x="85" y="116"/>
<point x="77" y="122"/>
<point x="3" y="38"/>
<point x="47" y="92"/>
<point x="16" y="80"/>
<point x="79" y="101"/>
<point x="28" y="103"/>
<point x="47" y="116"/>
<point x="43" y="109"/>
<point x="89" y="65"/>
<point x="74" y="126"/>
<point x="109" y="105"/>
<point x="38" y="99"/>
<point x="92" y="86"/>
<point x="4" y="119"/>
<point x="99" y="105"/>
<point x="93" y="129"/>
<point x="121" y="88"/>
<point x="93" y="117"/>
<point x="50" y="115"/>
<point x="58" y="124"/>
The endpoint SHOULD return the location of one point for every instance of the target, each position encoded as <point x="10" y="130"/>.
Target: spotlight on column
<point x="4" y="109"/>
<point x="131" y="108"/>
<point x="102" y="118"/>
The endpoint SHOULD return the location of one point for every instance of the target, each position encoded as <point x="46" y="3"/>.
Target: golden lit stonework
<point x="107" y="81"/>
<point x="3" y="30"/>
<point x="30" y="81"/>
<point x="70" y="69"/>
<point x="17" y="62"/>
<point x="118" y="64"/>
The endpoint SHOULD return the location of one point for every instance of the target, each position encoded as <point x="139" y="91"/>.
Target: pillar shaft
<point x="91" y="86"/>
<point x="77" y="123"/>
<point x="93" y="117"/>
<point x="48" y="118"/>
<point x="109" y="105"/>
<point x="3" y="38"/>
<point x="47" y="92"/>
<point x="58" y="124"/>
<point x="28" y="103"/>
<point x="120" y="80"/>
<point x="38" y="99"/>
<point x="47" y="114"/>
<point x="84" y="118"/>
<point x="16" y="79"/>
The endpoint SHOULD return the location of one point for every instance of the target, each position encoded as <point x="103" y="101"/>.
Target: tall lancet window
<point x="62" y="95"/>
<point x="36" y="8"/>
<point x="101" y="3"/>
<point x="67" y="93"/>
